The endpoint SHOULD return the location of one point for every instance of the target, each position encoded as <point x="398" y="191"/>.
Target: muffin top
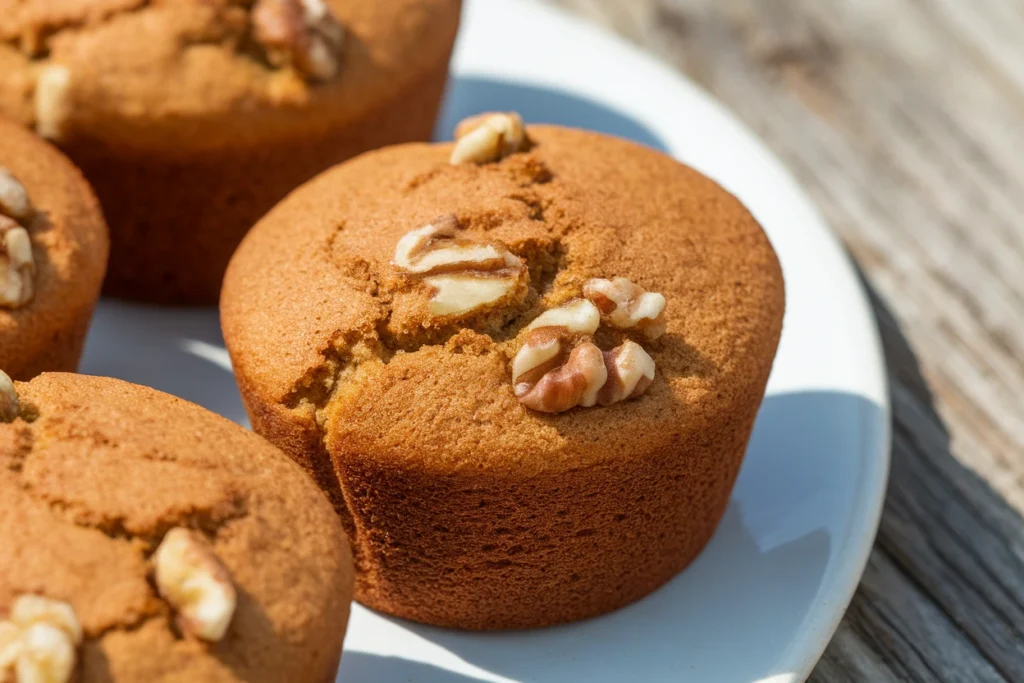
<point x="322" y="318"/>
<point x="43" y="196"/>
<point x="171" y="73"/>
<point x="97" y="474"/>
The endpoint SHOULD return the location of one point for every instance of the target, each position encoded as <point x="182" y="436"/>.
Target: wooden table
<point x="904" y="119"/>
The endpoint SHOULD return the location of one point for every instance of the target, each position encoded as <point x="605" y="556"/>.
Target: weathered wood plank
<point x="902" y="119"/>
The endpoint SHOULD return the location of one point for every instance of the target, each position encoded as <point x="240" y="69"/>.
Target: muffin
<point x="524" y="367"/>
<point x="53" y="253"/>
<point x="192" y="118"/>
<point x="146" y="539"/>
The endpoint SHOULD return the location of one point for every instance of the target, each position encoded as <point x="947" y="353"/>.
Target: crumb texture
<point x="103" y="471"/>
<point x="467" y="508"/>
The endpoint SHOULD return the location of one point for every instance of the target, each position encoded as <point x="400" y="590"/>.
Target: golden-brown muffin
<point x="467" y="507"/>
<point x="149" y="517"/>
<point x="53" y="253"/>
<point x="192" y="118"/>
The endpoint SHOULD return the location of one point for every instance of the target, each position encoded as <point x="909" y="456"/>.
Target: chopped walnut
<point x="578" y="316"/>
<point x="10" y="648"/>
<point x="548" y="378"/>
<point x="38" y="641"/>
<point x="465" y="274"/>
<point x="17" y="265"/>
<point x="14" y="201"/>
<point x="630" y="373"/>
<point x="8" y="398"/>
<point x="488" y="137"/>
<point x="626" y="305"/>
<point x="301" y="33"/>
<point x="53" y="101"/>
<point x="553" y="387"/>
<point x="197" y="585"/>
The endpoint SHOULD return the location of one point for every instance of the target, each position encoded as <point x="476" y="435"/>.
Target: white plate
<point x="765" y="596"/>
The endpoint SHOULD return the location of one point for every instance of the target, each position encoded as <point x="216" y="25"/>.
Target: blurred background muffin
<point x="53" y="253"/>
<point x="193" y="117"/>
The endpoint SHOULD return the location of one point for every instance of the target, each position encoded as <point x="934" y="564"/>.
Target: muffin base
<point x="60" y="352"/>
<point x="174" y="225"/>
<point x="495" y="551"/>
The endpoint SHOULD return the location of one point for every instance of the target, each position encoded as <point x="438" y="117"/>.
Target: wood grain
<point x="903" y="118"/>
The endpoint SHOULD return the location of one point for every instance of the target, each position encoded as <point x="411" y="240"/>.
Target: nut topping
<point x="626" y="305"/>
<point x="488" y="137"/>
<point x="630" y="372"/>
<point x="8" y="400"/>
<point x="576" y="382"/>
<point x="577" y="316"/>
<point x="464" y="273"/>
<point x="301" y="33"/>
<point x="53" y="101"/>
<point x="14" y="201"/>
<point x="548" y="378"/>
<point x="546" y="375"/>
<point x="38" y="641"/>
<point x="17" y="265"/>
<point x="192" y="579"/>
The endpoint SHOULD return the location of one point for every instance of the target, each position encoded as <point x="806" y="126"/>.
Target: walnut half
<point x="465" y="274"/>
<point x="38" y="641"/>
<point x="197" y="585"/>
<point x="302" y="33"/>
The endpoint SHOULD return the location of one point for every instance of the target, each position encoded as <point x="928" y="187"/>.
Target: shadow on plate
<point x="468" y="95"/>
<point x="365" y="667"/>
<point x="760" y="575"/>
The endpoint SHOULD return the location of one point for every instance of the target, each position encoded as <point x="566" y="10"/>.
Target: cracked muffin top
<point x="351" y="303"/>
<point x="167" y="73"/>
<point x="180" y="546"/>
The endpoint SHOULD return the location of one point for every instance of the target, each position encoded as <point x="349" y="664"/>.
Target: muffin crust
<point x="94" y="475"/>
<point x="466" y="508"/>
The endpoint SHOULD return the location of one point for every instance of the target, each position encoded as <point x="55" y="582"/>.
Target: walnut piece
<point x="626" y="305"/>
<point x="17" y="265"/>
<point x="38" y="641"/>
<point x="547" y="381"/>
<point x="8" y="398"/>
<point x="549" y="378"/>
<point x="630" y="372"/>
<point x="197" y="585"/>
<point x="577" y="316"/>
<point x="488" y="137"/>
<point x="301" y="33"/>
<point x="53" y="101"/>
<point x="465" y="274"/>
<point x="14" y="201"/>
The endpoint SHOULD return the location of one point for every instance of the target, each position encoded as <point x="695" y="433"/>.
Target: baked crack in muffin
<point x="146" y="539"/>
<point x="53" y="253"/>
<point x="524" y="366"/>
<point x="191" y="118"/>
